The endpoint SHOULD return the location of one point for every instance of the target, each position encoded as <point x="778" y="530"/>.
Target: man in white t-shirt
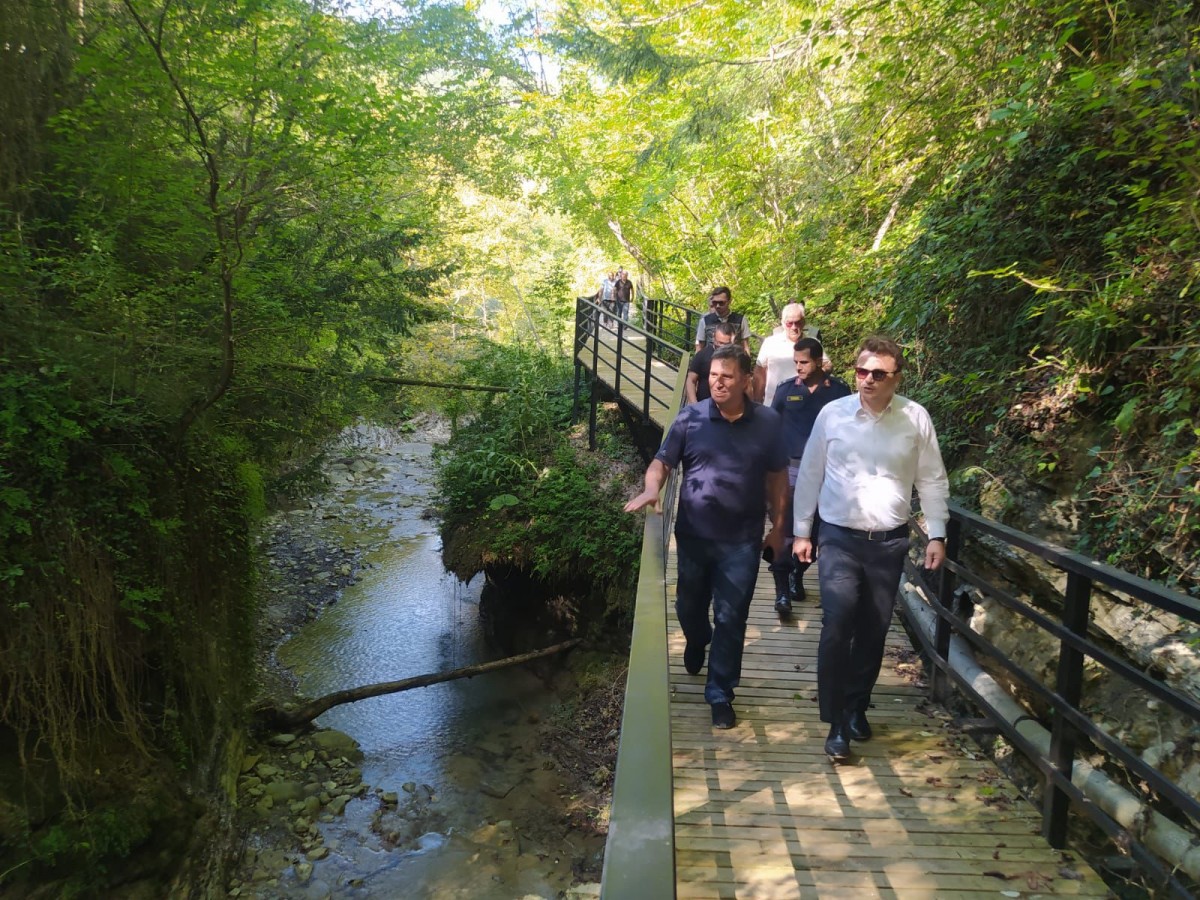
<point x="775" y="363"/>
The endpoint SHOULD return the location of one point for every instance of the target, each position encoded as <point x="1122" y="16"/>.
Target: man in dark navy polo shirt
<point x="734" y="468"/>
<point x="798" y="400"/>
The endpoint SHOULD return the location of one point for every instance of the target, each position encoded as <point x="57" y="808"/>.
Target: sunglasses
<point x="718" y="303"/>
<point x="796" y="324"/>
<point x="874" y="374"/>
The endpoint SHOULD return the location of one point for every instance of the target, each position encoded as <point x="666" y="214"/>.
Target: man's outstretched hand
<point x="642" y="500"/>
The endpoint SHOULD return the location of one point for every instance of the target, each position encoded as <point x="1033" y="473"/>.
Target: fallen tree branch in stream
<point x="269" y="717"/>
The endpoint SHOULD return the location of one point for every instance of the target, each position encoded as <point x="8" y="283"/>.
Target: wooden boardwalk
<point x="629" y="380"/>
<point x="760" y="812"/>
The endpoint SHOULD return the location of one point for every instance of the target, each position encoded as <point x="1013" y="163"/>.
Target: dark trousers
<point x="720" y="576"/>
<point x="859" y="582"/>
<point x="787" y="563"/>
<point x="783" y="566"/>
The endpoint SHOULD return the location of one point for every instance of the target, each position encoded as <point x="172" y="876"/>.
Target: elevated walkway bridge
<point x="920" y="811"/>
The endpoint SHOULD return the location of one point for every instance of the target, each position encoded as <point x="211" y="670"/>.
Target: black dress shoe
<point x="693" y="658"/>
<point x="723" y="715"/>
<point x="857" y="726"/>
<point x="783" y="607"/>
<point x="837" y="745"/>
<point x="796" y="588"/>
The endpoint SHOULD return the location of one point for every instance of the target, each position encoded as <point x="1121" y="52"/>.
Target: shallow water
<point x="468" y="740"/>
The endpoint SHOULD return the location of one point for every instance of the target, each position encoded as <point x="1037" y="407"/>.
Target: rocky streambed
<point x="478" y="788"/>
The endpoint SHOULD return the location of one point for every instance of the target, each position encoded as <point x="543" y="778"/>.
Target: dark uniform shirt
<point x="700" y="364"/>
<point x="799" y="407"/>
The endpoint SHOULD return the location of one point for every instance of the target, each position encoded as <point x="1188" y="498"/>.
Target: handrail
<point x="593" y="331"/>
<point x="669" y="321"/>
<point x="1068" y="721"/>
<point x="639" y="855"/>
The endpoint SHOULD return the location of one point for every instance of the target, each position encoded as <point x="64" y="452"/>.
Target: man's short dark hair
<point x="728" y="329"/>
<point x="883" y="346"/>
<point x="812" y="345"/>
<point x="721" y="289"/>
<point x="735" y="351"/>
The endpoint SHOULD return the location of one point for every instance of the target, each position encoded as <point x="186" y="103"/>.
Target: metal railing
<point x="1068" y="724"/>
<point x="673" y="324"/>
<point x="639" y="855"/>
<point x="596" y="327"/>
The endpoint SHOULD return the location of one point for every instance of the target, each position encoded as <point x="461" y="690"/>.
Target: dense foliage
<point x="518" y="493"/>
<point x="215" y="218"/>
<point x="1009" y="187"/>
<point x="212" y="218"/>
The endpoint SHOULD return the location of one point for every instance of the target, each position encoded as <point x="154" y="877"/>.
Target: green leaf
<point x="1124" y="419"/>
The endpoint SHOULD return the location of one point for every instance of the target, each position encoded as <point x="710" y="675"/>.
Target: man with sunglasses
<point x="865" y="455"/>
<point x="719" y="299"/>
<point x="775" y="364"/>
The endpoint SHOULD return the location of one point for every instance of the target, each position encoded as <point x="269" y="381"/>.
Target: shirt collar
<point x="715" y="413"/>
<point x="862" y="411"/>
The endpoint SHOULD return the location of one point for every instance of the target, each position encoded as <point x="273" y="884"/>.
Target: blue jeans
<point x="721" y="576"/>
<point x="859" y="582"/>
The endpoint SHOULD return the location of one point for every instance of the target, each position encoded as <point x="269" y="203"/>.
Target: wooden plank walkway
<point x="630" y="379"/>
<point x="760" y="812"/>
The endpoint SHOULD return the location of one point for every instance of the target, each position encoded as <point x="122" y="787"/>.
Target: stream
<point x="457" y="797"/>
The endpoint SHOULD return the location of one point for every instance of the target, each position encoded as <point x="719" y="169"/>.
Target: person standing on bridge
<point x="718" y="300"/>
<point x="864" y="457"/>
<point x="606" y="297"/>
<point x="775" y="361"/>
<point x="696" y="386"/>
<point x="622" y="293"/>
<point x="734" y="468"/>
<point x="798" y="400"/>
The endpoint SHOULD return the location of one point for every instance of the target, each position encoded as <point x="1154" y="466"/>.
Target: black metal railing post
<point x="575" y="395"/>
<point x="620" y="354"/>
<point x="595" y="393"/>
<point x="1069" y="686"/>
<point x="646" y="382"/>
<point x="940" y="683"/>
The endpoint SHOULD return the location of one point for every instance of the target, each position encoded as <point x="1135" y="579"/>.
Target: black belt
<point x="898" y="532"/>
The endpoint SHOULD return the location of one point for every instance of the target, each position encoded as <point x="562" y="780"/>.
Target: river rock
<point x="249" y="762"/>
<point x="265" y="770"/>
<point x="580" y="891"/>
<point x="281" y="740"/>
<point x="337" y="743"/>
<point x="283" y="791"/>
<point x="495" y="788"/>
<point x="304" y="872"/>
<point x="317" y="853"/>
<point x="337" y="805"/>
<point x="390" y="798"/>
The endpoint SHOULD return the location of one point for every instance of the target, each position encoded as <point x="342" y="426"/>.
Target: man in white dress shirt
<point x="865" y="455"/>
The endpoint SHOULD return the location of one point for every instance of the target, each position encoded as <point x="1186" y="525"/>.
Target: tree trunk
<point x="268" y="717"/>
